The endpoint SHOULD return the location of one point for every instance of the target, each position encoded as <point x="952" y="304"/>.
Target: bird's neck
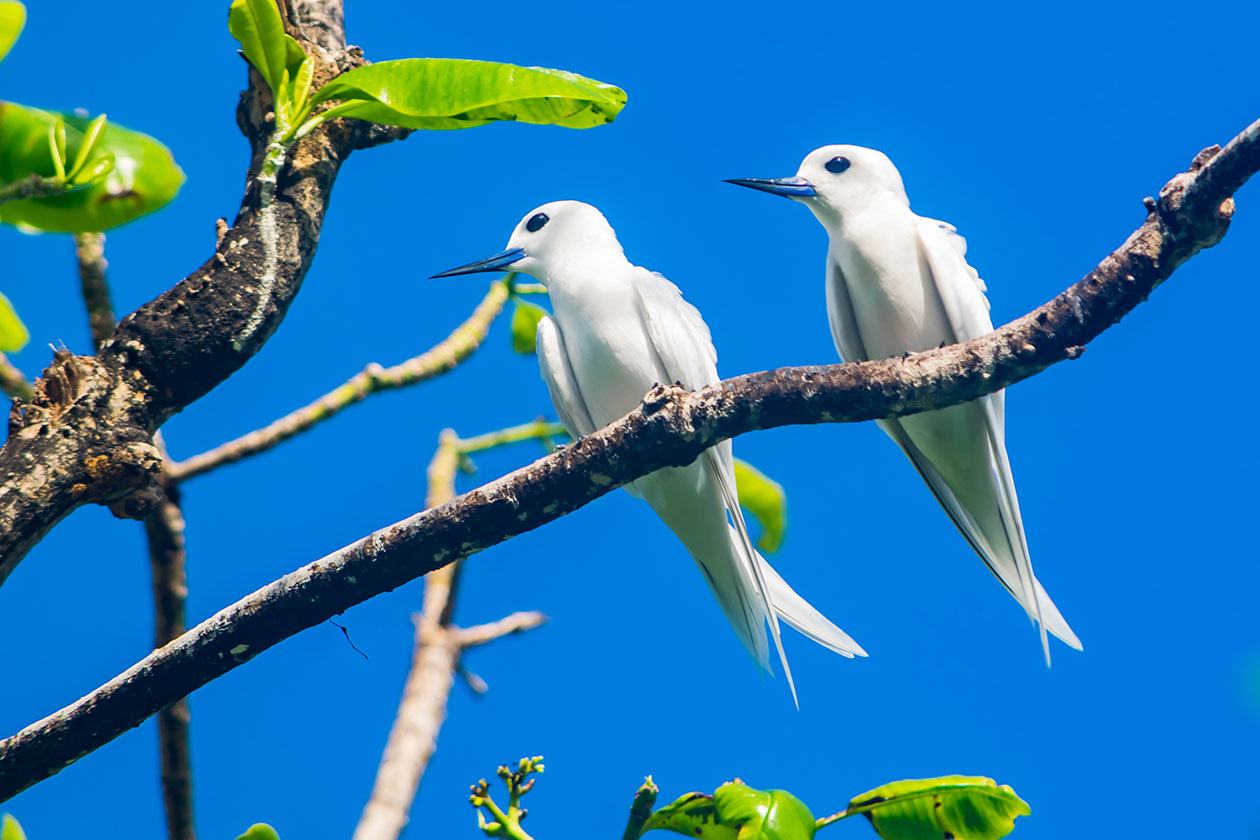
<point x="590" y="282"/>
<point x="851" y="220"/>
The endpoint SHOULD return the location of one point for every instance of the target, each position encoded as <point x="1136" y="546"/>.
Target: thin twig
<point x="13" y="382"/>
<point x="670" y="428"/>
<point x="823" y="822"/>
<point x="165" y="531"/>
<point x="435" y="659"/>
<point x="640" y="809"/>
<point x="442" y="358"/>
<point x="517" y="622"/>
<point x="32" y="186"/>
<point x="89" y="248"/>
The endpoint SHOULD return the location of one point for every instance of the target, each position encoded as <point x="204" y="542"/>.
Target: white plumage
<point x="900" y="282"/>
<point x="616" y="331"/>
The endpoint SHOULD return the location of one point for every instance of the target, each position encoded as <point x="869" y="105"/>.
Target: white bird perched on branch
<point x="616" y="331"/>
<point x="896" y="283"/>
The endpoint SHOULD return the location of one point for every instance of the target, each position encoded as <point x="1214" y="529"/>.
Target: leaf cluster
<point x="414" y="93"/>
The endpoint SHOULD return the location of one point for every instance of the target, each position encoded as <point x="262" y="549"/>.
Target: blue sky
<point x="1037" y="131"/>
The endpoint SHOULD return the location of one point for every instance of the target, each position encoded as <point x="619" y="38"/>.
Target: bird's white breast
<point x="894" y="298"/>
<point x="608" y="347"/>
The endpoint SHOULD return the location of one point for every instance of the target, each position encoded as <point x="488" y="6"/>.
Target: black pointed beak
<point x="498" y="261"/>
<point x="794" y="187"/>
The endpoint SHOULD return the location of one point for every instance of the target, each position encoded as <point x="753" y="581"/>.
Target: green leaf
<point x="126" y="175"/>
<point x="57" y="147"/>
<point x="736" y="811"/>
<point x="91" y="136"/>
<point x="10" y="830"/>
<point x="445" y="93"/>
<point x="525" y="320"/>
<point x="277" y="56"/>
<point x="764" y="814"/>
<point x="765" y="500"/>
<point x="958" y="807"/>
<point x="694" y="815"/>
<point x="12" y="19"/>
<point x="260" y="831"/>
<point x="13" y="334"/>
<point x="259" y="28"/>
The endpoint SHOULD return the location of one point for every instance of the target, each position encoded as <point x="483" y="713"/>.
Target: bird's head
<point x="837" y="180"/>
<point x="546" y="238"/>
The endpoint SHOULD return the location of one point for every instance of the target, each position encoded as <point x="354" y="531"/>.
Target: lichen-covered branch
<point x="444" y="357"/>
<point x="85" y="435"/>
<point x="671" y="428"/>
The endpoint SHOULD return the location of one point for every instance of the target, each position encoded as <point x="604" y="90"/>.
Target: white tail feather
<point x="800" y="615"/>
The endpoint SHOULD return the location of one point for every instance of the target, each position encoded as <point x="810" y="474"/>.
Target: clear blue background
<point x="1037" y="131"/>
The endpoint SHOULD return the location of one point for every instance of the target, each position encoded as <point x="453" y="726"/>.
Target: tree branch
<point x="32" y="186"/>
<point x="671" y="428"/>
<point x="164" y="529"/>
<point x="438" y="646"/>
<point x="373" y="379"/>
<point x="12" y="381"/>
<point x="90" y="422"/>
<point x="164" y="532"/>
<point x="89" y="248"/>
<point x="517" y="622"/>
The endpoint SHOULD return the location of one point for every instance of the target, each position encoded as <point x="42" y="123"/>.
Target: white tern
<point x="616" y="331"/>
<point x="898" y="282"/>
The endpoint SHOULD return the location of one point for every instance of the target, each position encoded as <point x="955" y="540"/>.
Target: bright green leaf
<point x="694" y="815"/>
<point x="10" y="830"/>
<point x="443" y="93"/>
<point x="277" y="56"/>
<point x="303" y="73"/>
<point x="57" y="146"/>
<point x="766" y="501"/>
<point x="259" y="28"/>
<point x="142" y="178"/>
<point x="260" y="831"/>
<point x="91" y="136"/>
<point x="763" y="814"/>
<point x="525" y="320"/>
<point x="736" y="812"/>
<point x="12" y="19"/>
<point x="961" y="807"/>
<point x="13" y="334"/>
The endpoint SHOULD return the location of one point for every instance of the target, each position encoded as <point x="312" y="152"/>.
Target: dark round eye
<point x="536" y="222"/>
<point x="838" y="164"/>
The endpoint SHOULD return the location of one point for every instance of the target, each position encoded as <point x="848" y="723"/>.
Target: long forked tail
<point x="801" y="616"/>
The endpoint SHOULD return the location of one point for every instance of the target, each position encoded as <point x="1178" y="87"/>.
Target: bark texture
<point x="85" y="436"/>
<point x="671" y="428"/>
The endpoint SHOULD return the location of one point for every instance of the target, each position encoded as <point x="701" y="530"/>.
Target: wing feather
<point x="553" y="361"/>
<point x="685" y="352"/>
<point x="967" y="310"/>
